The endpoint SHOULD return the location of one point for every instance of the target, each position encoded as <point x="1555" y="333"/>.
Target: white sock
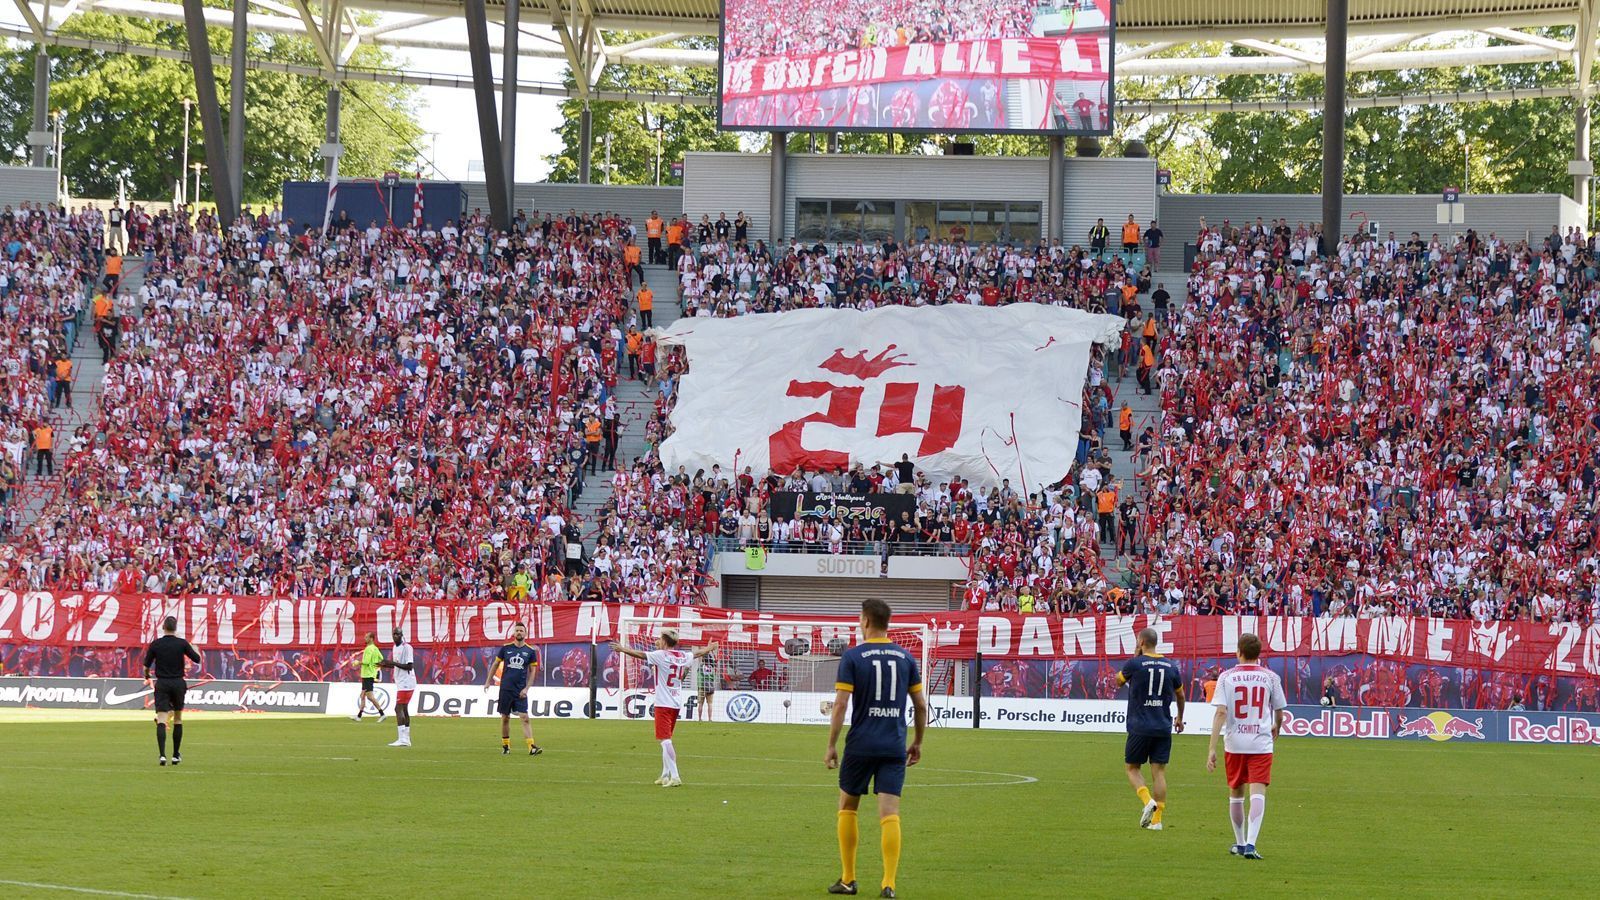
<point x="1258" y="811"/>
<point x="671" y="756"/>
<point x="1236" y="816"/>
<point x="666" y="759"/>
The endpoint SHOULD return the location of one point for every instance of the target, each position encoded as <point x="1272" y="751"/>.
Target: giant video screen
<point x="983" y="66"/>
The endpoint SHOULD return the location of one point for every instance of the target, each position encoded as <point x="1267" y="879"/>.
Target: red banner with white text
<point x="60" y="619"/>
<point x="1080" y="57"/>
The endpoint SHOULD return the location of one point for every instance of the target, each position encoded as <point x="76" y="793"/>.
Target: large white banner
<point x="975" y="392"/>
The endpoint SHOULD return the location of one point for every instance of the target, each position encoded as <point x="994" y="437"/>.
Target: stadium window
<point x="988" y="220"/>
<point x="1022" y="219"/>
<point x="955" y="220"/>
<point x="844" y="225"/>
<point x="877" y="220"/>
<point x="921" y="220"/>
<point x="811" y="221"/>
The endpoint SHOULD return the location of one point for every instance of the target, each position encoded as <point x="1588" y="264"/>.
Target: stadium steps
<point x="1124" y="465"/>
<point x="635" y="404"/>
<point x="88" y="383"/>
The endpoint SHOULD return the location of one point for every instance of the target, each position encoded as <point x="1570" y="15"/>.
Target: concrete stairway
<point x="87" y="385"/>
<point x="635" y="405"/>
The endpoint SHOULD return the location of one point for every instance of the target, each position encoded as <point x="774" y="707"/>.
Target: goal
<point x="779" y="671"/>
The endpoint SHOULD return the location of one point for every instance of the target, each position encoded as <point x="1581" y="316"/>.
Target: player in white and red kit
<point x="1250" y="712"/>
<point x="671" y="668"/>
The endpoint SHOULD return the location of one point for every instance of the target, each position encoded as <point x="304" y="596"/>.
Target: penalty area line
<point x="73" y="889"/>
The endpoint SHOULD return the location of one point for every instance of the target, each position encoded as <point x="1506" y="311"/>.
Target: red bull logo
<point x="1564" y="730"/>
<point x="1440" y="726"/>
<point x="1339" y="723"/>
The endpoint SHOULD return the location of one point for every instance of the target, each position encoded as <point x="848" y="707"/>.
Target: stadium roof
<point x="1142" y="19"/>
<point x="1281" y="37"/>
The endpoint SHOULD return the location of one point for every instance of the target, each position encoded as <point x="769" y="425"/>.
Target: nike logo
<point x="113" y="696"/>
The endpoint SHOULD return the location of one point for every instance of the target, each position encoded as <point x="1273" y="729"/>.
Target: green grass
<point x="268" y="806"/>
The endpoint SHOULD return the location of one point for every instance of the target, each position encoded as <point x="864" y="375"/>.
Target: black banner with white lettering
<point x="880" y="507"/>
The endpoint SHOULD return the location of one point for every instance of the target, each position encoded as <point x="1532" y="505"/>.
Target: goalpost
<point x="779" y="671"/>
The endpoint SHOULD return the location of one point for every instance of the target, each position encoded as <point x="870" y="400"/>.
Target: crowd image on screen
<point x="1375" y="425"/>
<point x="763" y="28"/>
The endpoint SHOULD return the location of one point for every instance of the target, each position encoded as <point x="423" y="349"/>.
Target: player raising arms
<point x="517" y="662"/>
<point x="167" y="654"/>
<point x="875" y="680"/>
<point x="1154" y="683"/>
<point x="403" y="661"/>
<point x="1250" y="712"/>
<point x="670" y="666"/>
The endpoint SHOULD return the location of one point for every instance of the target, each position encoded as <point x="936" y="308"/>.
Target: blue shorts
<point x="510" y="702"/>
<point x="1148" y="748"/>
<point x="885" y="774"/>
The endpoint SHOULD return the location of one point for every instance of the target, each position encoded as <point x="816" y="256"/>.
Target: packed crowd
<point x="1398" y="426"/>
<point x="50" y="260"/>
<point x="1402" y="426"/>
<point x="1383" y="426"/>
<point x="761" y="28"/>
<point x="385" y="412"/>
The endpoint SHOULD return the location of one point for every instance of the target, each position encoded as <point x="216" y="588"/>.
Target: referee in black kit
<point x="167" y="653"/>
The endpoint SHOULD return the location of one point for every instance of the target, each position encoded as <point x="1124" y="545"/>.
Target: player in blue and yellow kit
<point x="516" y="662"/>
<point x="875" y="681"/>
<point x="1154" y="684"/>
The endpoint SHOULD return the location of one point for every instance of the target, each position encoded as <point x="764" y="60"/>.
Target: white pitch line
<point x="810" y="786"/>
<point x="46" y="886"/>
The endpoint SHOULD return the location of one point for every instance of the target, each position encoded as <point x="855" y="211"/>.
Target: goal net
<point x="771" y="670"/>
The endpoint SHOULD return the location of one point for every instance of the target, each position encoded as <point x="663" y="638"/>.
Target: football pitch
<point x="278" y="806"/>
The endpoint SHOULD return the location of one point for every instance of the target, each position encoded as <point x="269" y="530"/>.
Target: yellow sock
<point x="891" y="848"/>
<point x="505" y="742"/>
<point x="847" y="844"/>
<point x="1144" y="796"/>
<point x="530" y="743"/>
<point x="1160" y="808"/>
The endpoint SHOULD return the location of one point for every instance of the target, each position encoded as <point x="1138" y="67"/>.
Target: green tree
<point x="124" y="113"/>
<point x="633" y="127"/>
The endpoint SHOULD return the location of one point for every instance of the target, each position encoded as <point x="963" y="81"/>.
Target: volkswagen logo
<point x="743" y="708"/>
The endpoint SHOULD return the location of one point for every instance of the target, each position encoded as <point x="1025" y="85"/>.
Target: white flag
<point x="973" y="392"/>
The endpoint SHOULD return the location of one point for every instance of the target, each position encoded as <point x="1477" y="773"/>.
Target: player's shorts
<point x="168" y="694"/>
<point x="367" y="683"/>
<point x="512" y="701"/>
<point x="666" y="721"/>
<point x="1249" y="768"/>
<point x="1147" y="748"/>
<point x="403" y="696"/>
<point x="883" y="774"/>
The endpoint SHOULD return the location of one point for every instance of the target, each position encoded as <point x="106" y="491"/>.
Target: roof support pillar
<point x="778" y="196"/>
<point x="585" y="143"/>
<point x="1337" y="43"/>
<point x="40" y="137"/>
<point x="1582" y="167"/>
<point x="508" y="99"/>
<point x="1055" y="204"/>
<point x="494" y="163"/>
<point x="205" y="89"/>
<point x="236" y="95"/>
